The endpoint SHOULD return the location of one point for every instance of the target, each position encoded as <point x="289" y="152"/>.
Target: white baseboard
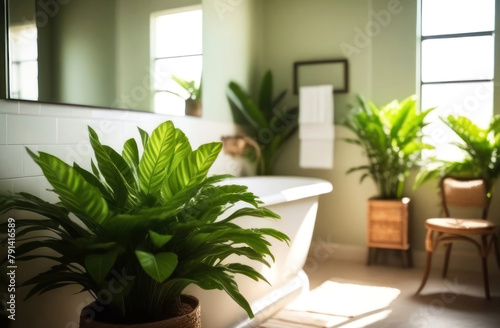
<point x="461" y="260"/>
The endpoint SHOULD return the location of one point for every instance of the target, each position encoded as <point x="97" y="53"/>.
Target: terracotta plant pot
<point x="190" y="320"/>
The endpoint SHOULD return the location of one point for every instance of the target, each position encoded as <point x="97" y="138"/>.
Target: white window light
<point x="457" y="66"/>
<point x="176" y="51"/>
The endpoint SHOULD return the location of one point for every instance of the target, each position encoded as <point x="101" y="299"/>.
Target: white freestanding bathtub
<point x="295" y="199"/>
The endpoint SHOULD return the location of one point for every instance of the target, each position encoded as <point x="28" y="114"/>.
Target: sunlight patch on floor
<point x="337" y="304"/>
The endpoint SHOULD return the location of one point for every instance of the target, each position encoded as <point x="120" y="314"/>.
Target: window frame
<point x="153" y="34"/>
<point x="15" y="65"/>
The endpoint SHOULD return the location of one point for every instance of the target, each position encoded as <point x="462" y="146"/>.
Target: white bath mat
<point x="332" y="304"/>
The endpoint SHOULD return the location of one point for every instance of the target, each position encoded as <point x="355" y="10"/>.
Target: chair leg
<point x="484" y="260"/>
<point x="497" y="250"/>
<point x="426" y="272"/>
<point x="485" y="277"/>
<point x="446" y="259"/>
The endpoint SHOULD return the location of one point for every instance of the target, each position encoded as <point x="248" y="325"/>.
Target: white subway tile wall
<point x="11" y="165"/>
<point x="3" y="129"/>
<point x="27" y="129"/>
<point x="32" y="185"/>
<point x="30" y="167"/>
<point x="61" y="130"/>
<point x="11" y="107"/>
<point x="29" y="108"/>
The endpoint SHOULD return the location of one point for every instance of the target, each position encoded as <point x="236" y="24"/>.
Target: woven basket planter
<point x="190" y="320"/>
<point x="388" y="223"/>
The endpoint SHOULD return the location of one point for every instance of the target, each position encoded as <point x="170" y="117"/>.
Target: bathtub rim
<point x="306" y="187"/>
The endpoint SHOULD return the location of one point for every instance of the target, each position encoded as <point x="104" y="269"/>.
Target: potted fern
<point x="481" y="149"/>
<point x="268" y="124"/>
<point x="138" y="229"/>
<point x="391" y="137"/>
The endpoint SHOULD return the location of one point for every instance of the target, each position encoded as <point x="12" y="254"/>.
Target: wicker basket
<point x="190" y="320"/>
<point x="388" y="223"/>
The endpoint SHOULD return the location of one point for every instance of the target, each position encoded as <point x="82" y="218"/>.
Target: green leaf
<point x="246" y="106"/>
<point x="93" y="180"/>
<point x="246" y="270"/>
<point x="108" y="168"/>
<point x="273" y="233"/>
<point x="28" y="202"/>
<point x="130" y="153"/>
<point x="99" y="265"/>
<point x="278" y="99"/>
<point x="159" y="240"/>
<point x="158" y="266"/>
<point x="266" y="94"/>
<point x="261" y="212"/>
<point x="157" y="157"/>
<point x="79" y="196"/>
<point x="182" y="150"/>
<point x="192" y="170"/>
<point x="144" y="137"/>
<point x="230" y="287"/>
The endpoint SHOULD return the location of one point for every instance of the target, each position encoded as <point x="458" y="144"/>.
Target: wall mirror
<point x="126" y="54"/>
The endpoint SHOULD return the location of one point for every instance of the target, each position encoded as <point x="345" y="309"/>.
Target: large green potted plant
<point x="481" y="150"/>
<point x="267" y="122"/>
<point x="138" y="229"/>
<point x="391" y="137"/>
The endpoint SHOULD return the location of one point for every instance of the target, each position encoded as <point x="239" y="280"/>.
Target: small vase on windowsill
<point x="193" y="107"/>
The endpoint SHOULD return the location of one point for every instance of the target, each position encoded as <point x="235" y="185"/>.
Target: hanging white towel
<point x="318" y="104"/>
<point x="316" y="129"/>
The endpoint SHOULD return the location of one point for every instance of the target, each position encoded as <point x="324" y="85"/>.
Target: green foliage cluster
<point x="391" y="137"/>
<point x="270" y="125"/>
<point x="190" y="87"/>
<point x="481" y="148"/>
<point x="154" y="218"/>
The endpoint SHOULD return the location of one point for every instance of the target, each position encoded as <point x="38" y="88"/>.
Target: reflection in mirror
<point x="177" y="60"/>
<point x="126" y="54"/>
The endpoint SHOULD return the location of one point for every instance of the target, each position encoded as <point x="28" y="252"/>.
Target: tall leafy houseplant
<point x="266" y="122"/>
<point x="481" y="148"/>
<point x="391" y="138"/>
<point x="153" y="218"/>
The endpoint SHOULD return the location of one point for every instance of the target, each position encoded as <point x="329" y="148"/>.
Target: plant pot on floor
<point x="188" y="320"/>
<point x="388" y="226"/>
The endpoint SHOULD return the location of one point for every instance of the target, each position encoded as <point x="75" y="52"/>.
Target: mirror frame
<point x="5" y="74"/>
<point x="4" y="55"/>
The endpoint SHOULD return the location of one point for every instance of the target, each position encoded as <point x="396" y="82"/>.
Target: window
<point x="176" y="51"/>
<point x="23" y="62"/>
<point x="457" y="65"/>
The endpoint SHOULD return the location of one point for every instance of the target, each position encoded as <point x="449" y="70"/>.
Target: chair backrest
<point x="465" y="192"/>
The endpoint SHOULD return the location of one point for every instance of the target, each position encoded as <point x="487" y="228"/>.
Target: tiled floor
<point x="456" y="302"/>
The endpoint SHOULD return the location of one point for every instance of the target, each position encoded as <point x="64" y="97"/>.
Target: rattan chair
<point x="479" y="232"/>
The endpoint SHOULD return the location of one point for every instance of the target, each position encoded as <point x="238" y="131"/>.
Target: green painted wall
<point x="380" y="41"/>
<point x="85" y="53"/>
<point x="232" y="51"/>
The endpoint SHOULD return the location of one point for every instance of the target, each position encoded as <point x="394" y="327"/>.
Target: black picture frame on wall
<point x="330" y="63"/>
